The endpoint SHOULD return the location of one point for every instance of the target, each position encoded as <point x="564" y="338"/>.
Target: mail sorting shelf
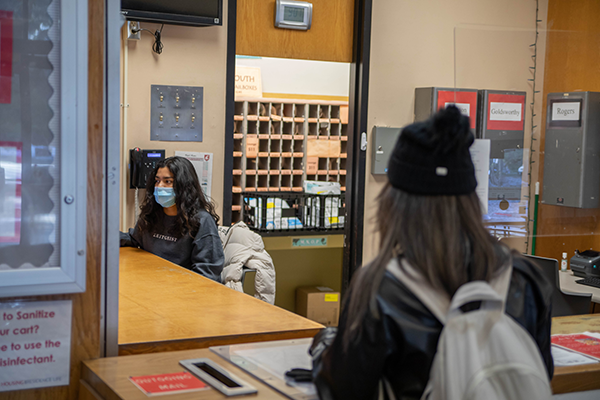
<point x="281" y="213"/>
<point x="280" y="143"/>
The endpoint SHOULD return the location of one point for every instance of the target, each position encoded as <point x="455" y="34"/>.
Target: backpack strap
<point x="438" y="303"/>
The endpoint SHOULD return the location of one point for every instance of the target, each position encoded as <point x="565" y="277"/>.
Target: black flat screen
<point x="182" y="12"/>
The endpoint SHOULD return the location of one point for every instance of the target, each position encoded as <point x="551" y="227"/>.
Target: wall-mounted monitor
<point x="178" y="12"/>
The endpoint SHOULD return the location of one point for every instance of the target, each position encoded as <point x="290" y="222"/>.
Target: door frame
<point x="356" y="176"/>
<point x="357" y="141"/>
<point x="357" y="127"/>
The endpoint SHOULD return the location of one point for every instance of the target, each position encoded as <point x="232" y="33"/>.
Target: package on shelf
<point x="320" y="187"/>
<point x="323" y="148"/>
<point x="274" y="218"/>
<point x="331" y="218"/>
<point x="332" y="204"/>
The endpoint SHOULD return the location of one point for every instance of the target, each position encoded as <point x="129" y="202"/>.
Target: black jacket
<point x="202" y="253"/>
<point x="401" y="344"/>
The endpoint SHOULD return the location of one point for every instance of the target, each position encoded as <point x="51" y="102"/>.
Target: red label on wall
<point x="176" y="382"/>
<point x="505" y="112"/>
<point x="465" y="101"/>
<point x="6" y="54"/>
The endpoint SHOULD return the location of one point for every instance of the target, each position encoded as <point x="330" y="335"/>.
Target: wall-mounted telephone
<point x="141" y="164"/>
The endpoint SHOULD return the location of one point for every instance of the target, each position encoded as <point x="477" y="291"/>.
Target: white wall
<point x="413" y="45"/>
<point x="192" y="56"/>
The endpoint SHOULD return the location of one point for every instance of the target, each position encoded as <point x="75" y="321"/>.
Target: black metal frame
<point x="158" y="17"/>
<point x="355" y="180"/>
<point x="229" y="109"/>
<point x="358" y="107"/>
<point x="308" y="213"/>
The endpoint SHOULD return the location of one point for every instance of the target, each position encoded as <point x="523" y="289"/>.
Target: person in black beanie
<point x="429" y="218"/>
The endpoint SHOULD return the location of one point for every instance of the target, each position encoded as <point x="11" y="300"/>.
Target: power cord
<point x="157" y="47"/>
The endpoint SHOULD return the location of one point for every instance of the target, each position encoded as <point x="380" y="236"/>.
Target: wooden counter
<point x="108" y="378"/>
<point x="581" y="377"/>
<point x="164" y="307"/>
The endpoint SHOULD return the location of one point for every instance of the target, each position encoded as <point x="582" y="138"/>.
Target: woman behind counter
<point x="429" y="219"/>
<point x="177" y="222"/>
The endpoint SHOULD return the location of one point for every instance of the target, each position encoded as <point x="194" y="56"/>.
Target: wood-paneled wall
<point x="85" y="330"/>
<point x="572" y="60"/>
<point x="329" y="39"/>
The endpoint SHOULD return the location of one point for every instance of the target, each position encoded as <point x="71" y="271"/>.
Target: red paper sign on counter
<point x="177" y="382"/>
<point x="579" y="342"/>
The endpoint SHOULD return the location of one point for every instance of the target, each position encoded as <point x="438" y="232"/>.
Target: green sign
<point x="309" y="242"/>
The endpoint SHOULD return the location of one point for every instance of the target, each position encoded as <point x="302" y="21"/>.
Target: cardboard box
<point x="318" y="303"/>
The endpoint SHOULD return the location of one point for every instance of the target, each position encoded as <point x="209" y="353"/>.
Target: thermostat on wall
<point x="292" y="14"/>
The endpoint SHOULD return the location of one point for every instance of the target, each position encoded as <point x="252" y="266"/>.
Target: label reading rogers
<point x="505" y="111"/>
<point x="566" y="111"/>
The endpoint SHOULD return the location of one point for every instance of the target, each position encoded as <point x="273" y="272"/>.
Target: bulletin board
<point x="43" y="161"/>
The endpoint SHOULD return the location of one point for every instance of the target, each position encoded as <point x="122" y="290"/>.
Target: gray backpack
<point x="481" y="354"/>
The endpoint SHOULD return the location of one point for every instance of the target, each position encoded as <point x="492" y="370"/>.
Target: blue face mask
<point x="164" y="196"/>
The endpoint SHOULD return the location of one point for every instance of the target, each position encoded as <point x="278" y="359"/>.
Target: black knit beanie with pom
<point x="432" y="157"/>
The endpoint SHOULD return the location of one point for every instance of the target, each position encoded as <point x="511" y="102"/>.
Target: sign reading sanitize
<point x="35" y="344"/>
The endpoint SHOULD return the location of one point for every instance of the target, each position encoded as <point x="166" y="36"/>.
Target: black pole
<point x="358" y="113"/>
<point x="229" y="107"/>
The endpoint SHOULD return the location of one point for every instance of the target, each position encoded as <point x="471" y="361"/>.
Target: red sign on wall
<point x="506" y="112"/>
<point x="6" y="54"/>
<point x="465" y="101"/>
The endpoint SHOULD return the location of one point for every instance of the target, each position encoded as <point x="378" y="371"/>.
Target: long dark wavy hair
<point x="189" y="198"/>
<point x="442" y="236"/>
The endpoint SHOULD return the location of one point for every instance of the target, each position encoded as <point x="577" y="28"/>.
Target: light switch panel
<point x="176" y="113"/>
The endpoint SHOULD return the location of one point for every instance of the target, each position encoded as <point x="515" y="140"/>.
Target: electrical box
<point x="384" y="139"/>
<point x="176" y="113"/>
<point x="501" y="118"/>
<point x="430" y="99"/>
<point x="572" y="150"/>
